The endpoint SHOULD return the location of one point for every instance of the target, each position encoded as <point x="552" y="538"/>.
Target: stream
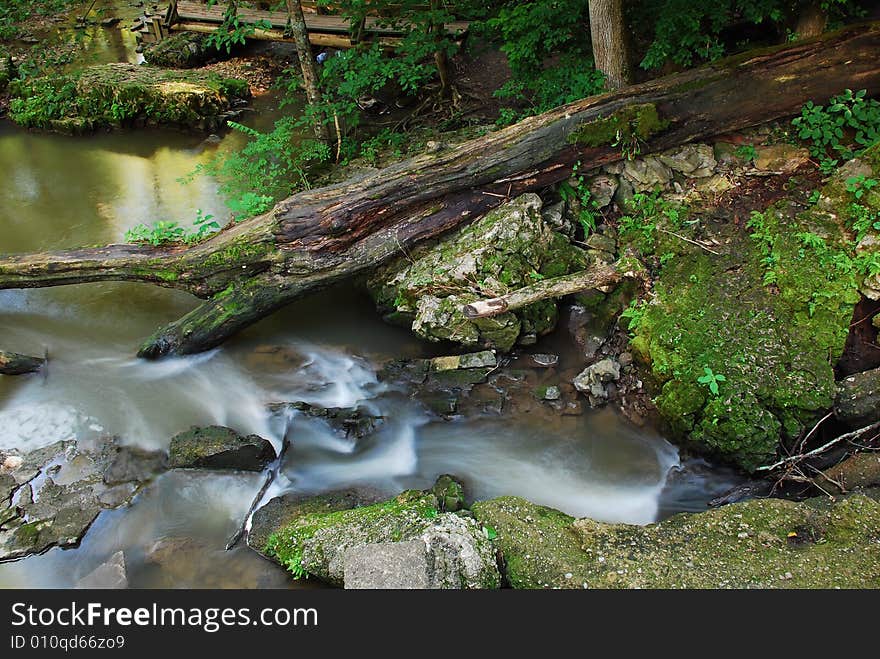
<point x="61" y="192"/>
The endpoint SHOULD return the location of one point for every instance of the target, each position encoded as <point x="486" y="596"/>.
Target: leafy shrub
<point x="842" y="129"/>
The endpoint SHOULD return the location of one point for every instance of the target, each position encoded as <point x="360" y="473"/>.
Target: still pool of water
<point x="63" y="192"/>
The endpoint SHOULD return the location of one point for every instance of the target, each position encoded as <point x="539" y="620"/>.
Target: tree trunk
<point x="307" y="63"/>
<point x="318" y="237"/>
<point x="812" y="21"/>
<point x="610" y="42"/>
<point x="440" y="58"/>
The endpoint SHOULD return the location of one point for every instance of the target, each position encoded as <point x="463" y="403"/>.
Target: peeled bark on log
<point x="12" y="363"/>
<point x="603" y="274"/>
<point x="318" y="237"/>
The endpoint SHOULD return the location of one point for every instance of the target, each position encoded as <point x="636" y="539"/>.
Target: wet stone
<point x="545" y="359"/>
<point x="218" y="447"/>
<point x="54" y="493"/>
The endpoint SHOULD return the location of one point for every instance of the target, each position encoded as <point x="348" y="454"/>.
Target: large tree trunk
<point x="812" y="21"/>
<point x="610" y="42"/>
<point x="318" y="237"/>
<point x="306" y="62"/>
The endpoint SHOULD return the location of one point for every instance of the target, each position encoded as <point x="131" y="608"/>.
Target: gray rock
<point x="554" y="217"/>
<point x="217" y="447"/>
<point x="624" y="194"/>
<point x="647" y="173"/>
<point x="453" y="553"/>
<point x="592" y="380"/>
<point x="858" y="398"/>
<point x="602" y="243"/>
<point x="603" y="188"/>
<point x="551" y="393"/>
<point x="691" y="160"/>
<point x="388" y="565"/>
<point x="545" y="359"/>
<point x="502" y="251"/>
<point x="109" y="575"/>
<point x="49" y="497"/>
<point x="131" y="463"/>
<point x="351" y="422"/>
<point x="780" y="157"/>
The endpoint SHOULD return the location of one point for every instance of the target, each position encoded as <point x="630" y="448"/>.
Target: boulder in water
<point x="218" y="447"/>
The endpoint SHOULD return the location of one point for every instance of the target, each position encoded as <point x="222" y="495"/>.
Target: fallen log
<point x="601" y="275"/>
<point x="12" y="363"/>
<point x="318" y="237"/>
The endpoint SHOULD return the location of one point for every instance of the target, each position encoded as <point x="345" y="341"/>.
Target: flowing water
<point x="62" y="192"/>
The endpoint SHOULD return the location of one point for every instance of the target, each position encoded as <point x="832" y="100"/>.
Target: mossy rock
<point x="218" y="447"/>
<point x="508" y="248"/>
<point x="184" y="50"/>
<point x="768" y="312"/>
<point x="125" y="95"/>
<point x="763" y="543"/>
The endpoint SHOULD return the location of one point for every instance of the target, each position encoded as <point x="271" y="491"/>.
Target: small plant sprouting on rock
<point x="747" y="152"/>
<point x="711" y="380"/>
<point x="858" y="186"/>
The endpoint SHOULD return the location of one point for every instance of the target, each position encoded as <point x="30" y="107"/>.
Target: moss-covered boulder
<point x="184" y="50"/>
<point x="763" y="543"/>
<point x="218" y="447"/>
<point x="455" y="552"/>
<point x="741" y="340"/>
<point x="124" y="95"/>
<point x="507" y="249"/>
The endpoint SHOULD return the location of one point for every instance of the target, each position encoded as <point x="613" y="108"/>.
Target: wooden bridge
<point x="324" y="29"/>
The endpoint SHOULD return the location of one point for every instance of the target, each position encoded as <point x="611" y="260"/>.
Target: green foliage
<point x="577" y="193"/>
<point x="233" y="31"/>
<point x="271" y="165"/>
<point x="645" y="213"/>
<point x="746" y="152"/>
<point x="711" y="380"/>
<point x="842" y="129"/>
<point x="548" y="50"/>
<point x="634" y="314"/>
<point x="860" y="185"/>
<point x="166" y="232"/>
<point x="687" y="33"/>
<point x="39" y="101"/>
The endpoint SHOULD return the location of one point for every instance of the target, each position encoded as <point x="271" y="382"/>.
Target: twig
<point x="338" y="137"/>
<point x="821" y="449"/>
<point x="688" y="240"/>
<point x="270" y="477"/>
<point x="810" y="434"/>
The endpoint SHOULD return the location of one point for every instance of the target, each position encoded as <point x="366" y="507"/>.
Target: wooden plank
<point x="194" y="12"/>
<point x="316" y="38"/>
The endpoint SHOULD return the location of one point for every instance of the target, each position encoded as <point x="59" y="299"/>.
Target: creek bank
<point x="732" y="339"/>
<point x="763" y="543"/>
<point x="126" y="96"/>
<point x="50" y="497"/>
<point x="369" y="546"/>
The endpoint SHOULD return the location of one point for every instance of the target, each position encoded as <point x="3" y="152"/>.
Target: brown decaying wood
<point x="321" y="236"/>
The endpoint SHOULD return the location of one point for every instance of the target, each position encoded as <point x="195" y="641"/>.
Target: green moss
<point x="118" y="95"/>
<point x="375" y="523"/>
<point x="509" y="248"/>
<point x="764" y="543"/>
<point x="631" y="123"/>
<point x="768" y="314"/>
